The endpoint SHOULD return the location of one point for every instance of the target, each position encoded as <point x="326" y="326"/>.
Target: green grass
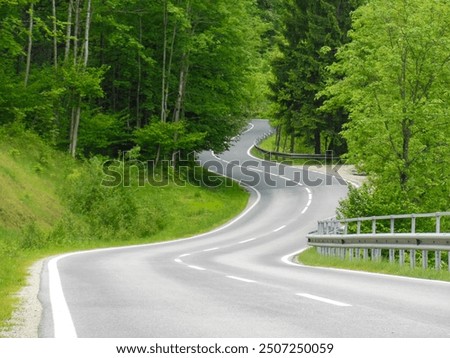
<point x="310" y="257"/>
<point x="52" y="204"/>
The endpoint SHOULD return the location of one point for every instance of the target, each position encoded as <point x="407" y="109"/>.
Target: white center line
<point x="241" y="279"/>
<point x="196" y="268"/>
<point x="280" y="228"/>
<point x="245" y="241"/>
<point x="213" y="249"/>
<point x="325" y="300"/>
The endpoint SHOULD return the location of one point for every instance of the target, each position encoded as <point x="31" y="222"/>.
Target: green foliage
<point x="190" y="60"/>
<point x="394" y="83"/>
<point x="167" y="137"/>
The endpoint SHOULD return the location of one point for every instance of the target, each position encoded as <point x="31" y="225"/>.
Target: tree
<point x="394" y="83"/>
<point x="313" y="31"/>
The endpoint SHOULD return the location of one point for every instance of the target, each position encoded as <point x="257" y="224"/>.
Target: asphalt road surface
<point x="239" y="280"/>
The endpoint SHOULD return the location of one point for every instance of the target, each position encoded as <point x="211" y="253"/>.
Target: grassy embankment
<point x="52" y="204"/>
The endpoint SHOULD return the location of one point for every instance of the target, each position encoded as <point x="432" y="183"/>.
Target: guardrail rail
<point x="383" y="236"/>
<point x="328" y="156"/>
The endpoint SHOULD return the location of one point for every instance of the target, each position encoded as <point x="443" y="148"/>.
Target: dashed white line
<point x="178" y="261"/>
<point x="213" y="249"/>
<point x="305" y="209"/>
<point x="196" y="268"/>
<point x="245" y="241"/>
<point x="241" y="279"/>
<point x="280" y="228"/>
<point x="324" y="300"/>
<point x="184" y="255"/>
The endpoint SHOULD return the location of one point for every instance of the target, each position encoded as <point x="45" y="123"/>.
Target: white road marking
<point x="280" y="228"/>
<point x="245" y="241"/>
<point x="62" y="320"/>
<point x="249" y="129"/>
<point x="322" y="299"/>
<point x="241" y="279"/>
<point x="213" y="249"/>
<point x="287" y="258"/>
<point x="305" y="209"/>
<point x="196" y="268"/>
<point x="178" y="261"/>
<point x="184" y="255"/>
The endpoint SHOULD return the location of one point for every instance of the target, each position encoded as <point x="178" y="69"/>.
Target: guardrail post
<point x="438" y="223"/>
<point x="437" y="256"/>
<point x="392" y="224"/>
<point x="374" y="225"/>
<point x="402" y="257"/>
<point x="366" y="254"/>
<point x="391" y="256"/>
<point x="358" y="227"/>
<point x="350" y="254"/>
<point x="424" y="259"/>
<point x="448" y="255"/>
<point x="412" y="259"/>
<point x="413" y="224"/>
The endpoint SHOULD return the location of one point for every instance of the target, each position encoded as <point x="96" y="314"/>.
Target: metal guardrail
<point x="328" y="156"/>
<point x="348" y="239"/>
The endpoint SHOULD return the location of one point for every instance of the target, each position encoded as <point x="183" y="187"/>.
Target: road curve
<point x="238" y="281"/>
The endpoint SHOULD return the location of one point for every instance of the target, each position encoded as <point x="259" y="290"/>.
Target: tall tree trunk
<point x="30" y="43"/>
<point x="278" y="138"/>
<point x="138" y="89"/>
<point x="76" y="115"/>
<point x="163" y="84"/>
<point x="292" y="146"/>
<point x="55" y="36"/>
<point x="180" y="100"/>
<point x="317" y="143"/>
<point x="68" y="31"/>
<point x="76" y="31"/>
<point x="86" y="33"/>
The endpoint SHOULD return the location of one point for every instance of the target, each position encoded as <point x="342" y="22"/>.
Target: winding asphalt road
<point x="239" y="280"/>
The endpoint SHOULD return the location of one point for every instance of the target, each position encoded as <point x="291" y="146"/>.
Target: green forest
<point x="87" y="81"/>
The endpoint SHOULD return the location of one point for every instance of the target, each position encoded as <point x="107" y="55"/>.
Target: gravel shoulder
<point x="27" y="316"/>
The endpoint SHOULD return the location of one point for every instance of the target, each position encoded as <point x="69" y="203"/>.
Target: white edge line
<point x="323" y="299"/>
<point x="241" y="279"/>
<point x="248" y="129"/>
<point x="62" y="320"/>
<point x="288" y="260"/>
